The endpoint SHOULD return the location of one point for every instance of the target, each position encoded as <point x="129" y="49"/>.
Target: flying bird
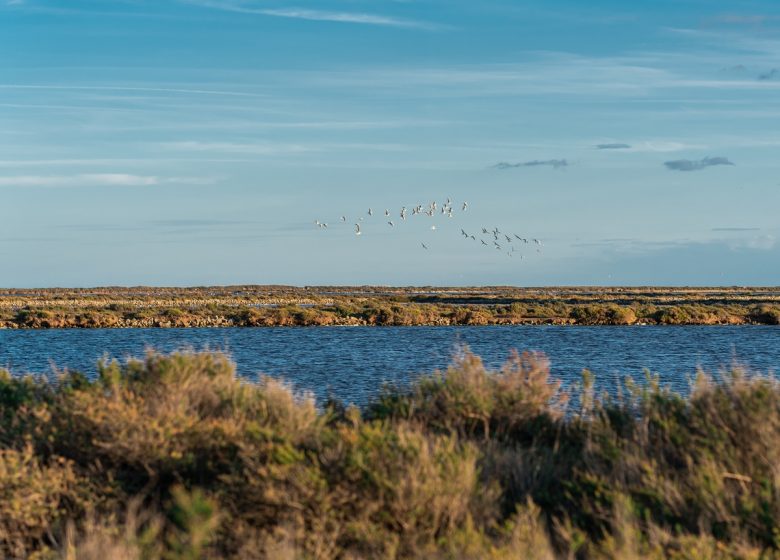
<point x="446" y="208"/>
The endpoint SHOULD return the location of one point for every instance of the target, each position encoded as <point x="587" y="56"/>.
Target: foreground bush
<point x="175" y="457"/>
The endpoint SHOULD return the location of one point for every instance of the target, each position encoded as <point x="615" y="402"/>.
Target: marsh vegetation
<point x="173" y="456"/>
<point x="257" y="306"/>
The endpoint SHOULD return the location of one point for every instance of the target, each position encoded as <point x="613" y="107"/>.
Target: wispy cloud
<point x="128" y="89"/>
<point x="197" y="223"/>
<point x="651" y="146"/>
<point x="663" y="146"/>
<point x="756" y="243"/>
<point x="554" y="163"/>
<point x="93" y="179"/>
<point x="743" y="19"/>
<point x="551" y="74"/>
<point x="648" y="247"/>
<point x="614" y="146"/>
<point x="735" y="229"/>
<point x="696" y="165"/>
<point x="317" y="15"/>
<point x="260" y="149"/>
<point x="344" y="17"/>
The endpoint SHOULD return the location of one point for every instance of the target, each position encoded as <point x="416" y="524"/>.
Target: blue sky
<point x="191" y="142"/>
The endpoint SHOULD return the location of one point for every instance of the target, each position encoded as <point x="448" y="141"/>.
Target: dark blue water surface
<point x="353" y="363"/>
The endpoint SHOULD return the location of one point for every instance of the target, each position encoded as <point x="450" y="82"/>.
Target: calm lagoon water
<point x="353" y="363"/>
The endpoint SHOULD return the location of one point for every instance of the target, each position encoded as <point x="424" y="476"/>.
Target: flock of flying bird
<point x="447" y="210"/>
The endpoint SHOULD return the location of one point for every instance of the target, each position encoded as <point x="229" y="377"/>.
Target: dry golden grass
<point x="175" y="457"/>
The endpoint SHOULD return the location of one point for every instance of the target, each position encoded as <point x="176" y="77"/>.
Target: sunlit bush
<point x="174" y="456"/>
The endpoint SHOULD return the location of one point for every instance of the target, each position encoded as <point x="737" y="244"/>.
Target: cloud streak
<point x="93" y="180"/>
<point x="343" y="17"/>
<point x="317" y="15"/>
<point x="614" y="146"/>
<point x="755" y="20"/>
<point x="758" y="243"/>
<point x="272" y="148"/>
<point x="696" y="165"/>
<point x="128" y="89"/>
<point x="554" y="163"/>
<point x="259" y="149"/>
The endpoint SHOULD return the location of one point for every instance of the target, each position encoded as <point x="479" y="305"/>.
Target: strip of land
<point x="271" y="306"/>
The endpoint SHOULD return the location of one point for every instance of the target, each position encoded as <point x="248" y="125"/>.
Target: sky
<point x="197" y="142"/>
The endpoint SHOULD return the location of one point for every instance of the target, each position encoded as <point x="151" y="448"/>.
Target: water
<point x="353" y="363"/>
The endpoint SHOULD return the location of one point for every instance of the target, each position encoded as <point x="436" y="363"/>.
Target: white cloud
<point x="92" y="179"/>
<point x="757" y="243"/>
<point x="261" y="149"/>
<point x="316" y="15"/>
<point x="640" y="77"/>
<point x="664" y="146"/>
<point x="130" y="89"/>
<point x="274" y="149"/>
<point x="343" y="17"/>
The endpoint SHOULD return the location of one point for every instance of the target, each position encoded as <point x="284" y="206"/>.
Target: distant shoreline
<point x="287" y="306"/>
